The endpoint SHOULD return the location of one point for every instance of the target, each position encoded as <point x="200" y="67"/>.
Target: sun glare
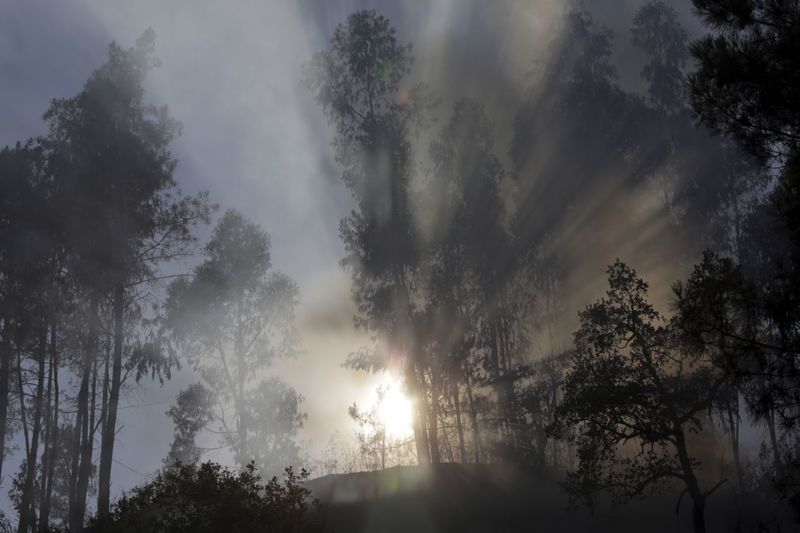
<point x="395" y="412"/>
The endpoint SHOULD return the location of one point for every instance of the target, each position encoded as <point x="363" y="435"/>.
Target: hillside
<point x="484" y="498"/>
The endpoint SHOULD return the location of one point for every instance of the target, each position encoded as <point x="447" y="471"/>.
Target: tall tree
<point x="358" y="82"/>
<point x="478" y="303"/>
<point x="234" y="318"/>
<point x="28" y="253"/>
<point x="746" y="87"/>
<point x="123" y="213"/>
<point x="656" y="30"/>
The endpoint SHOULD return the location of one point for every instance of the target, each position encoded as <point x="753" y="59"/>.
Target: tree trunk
<point x="733" y="424"/>
<point x="773" y="437"/>
<point x="692" y="486"/>
<point x="699" y="514"/>
<point x="433" y="419"/>
<point x="383" y="448"/>
<point x="459" y="427"/>
<point x="110" y="420"/>
<point x="82" y="445"/>
<point x="27" y="514"/>
<point x="51" y="436"/>
<point x="5" y="376"/>
<point x="421" y="420"/>
<point x="473" y="415"/>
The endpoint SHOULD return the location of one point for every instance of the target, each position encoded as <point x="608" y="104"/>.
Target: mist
<point x="540" y="113"/>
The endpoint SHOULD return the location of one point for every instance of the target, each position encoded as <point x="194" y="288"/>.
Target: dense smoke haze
<point x="532" y="144"/>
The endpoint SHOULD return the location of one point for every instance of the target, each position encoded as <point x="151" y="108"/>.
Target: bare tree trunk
<point x="473" y="415"/>
<point x="421" y="420"/>
<point x="459" y="427"/>
<point x="383" y="448"/>
<point x="109" y="424"/>
<point x="82" y="445"/>
<point x="773" y="437"/>
<point x="433" y="419"/>
<point x="27" y="516"/>
<point x="553" y="406"/>
<point x="692" y="486"/>
<point x="50" y="437"/>
<point x="733" y="425"/>
<point x="443" y="421"/>
<point x="5" y="376"/>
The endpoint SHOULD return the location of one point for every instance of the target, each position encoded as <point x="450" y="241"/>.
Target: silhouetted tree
<point x="747" y="83"/>
<point x="477" y="293"/>
<point x="635" y="395"/>
<point x="746" y="87"/>
<point x="358" y="83"/>
<point x="29" y="253"/>
<point x="208" y="497"/>
<point x="123" y="216"/>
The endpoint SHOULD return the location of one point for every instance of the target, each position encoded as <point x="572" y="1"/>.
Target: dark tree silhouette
<point x="358" y="82"/>
<point x="123" y="215"/>
<point x="208" y="497"/>
<point x="747" y="84"/>
<point x="478" y="303"/>
<point x="28" y="255"/>
<point x="746" y="87"/>
<point x="635" y="395"/>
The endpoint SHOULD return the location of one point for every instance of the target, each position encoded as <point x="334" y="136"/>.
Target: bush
<point x="211" y="498"/>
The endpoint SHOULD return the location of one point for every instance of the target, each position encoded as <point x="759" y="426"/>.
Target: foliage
<point x="748" y="76"/>
<point x="210" y="498"/>
<point x="233" y="319"/>
<point x="634" y="395"/>
<point x="657" y="32"/>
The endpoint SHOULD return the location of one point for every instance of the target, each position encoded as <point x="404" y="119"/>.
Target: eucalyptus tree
<point x="233" y="319"/>
<point x="476" y="294"/>
<point x="27" y="251"/>
<point x="359" y="83"/>
<point x="30" y="296"/>
<point x="123" y="216"/>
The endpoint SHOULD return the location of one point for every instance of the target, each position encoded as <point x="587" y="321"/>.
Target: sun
<point x="395" y="412"/>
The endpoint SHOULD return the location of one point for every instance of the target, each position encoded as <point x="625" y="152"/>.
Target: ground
<point x="483" y="498"/>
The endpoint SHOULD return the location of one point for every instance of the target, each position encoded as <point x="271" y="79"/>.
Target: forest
<point x="604" y="288"/>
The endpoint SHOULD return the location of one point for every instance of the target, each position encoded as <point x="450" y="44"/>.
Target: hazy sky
<point x="254" y="138"/>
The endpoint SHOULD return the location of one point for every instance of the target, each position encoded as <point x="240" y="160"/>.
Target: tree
<point x="477" y="296"/>
<point x="123" y="216"/>
<point x="233" y="319"/>
<point x="748" y="78"/>
<point x="358" y="83"/>
<point x="635" y="395"/>
<point x="208" y="497"/>
<point x="191" y="413"/>
<point x="748" y="327"/>
<point x="30" y="297"/>
<point x="656" y="30"/>
<point x="746" y="87"/>
<point x="28" y="260"/>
